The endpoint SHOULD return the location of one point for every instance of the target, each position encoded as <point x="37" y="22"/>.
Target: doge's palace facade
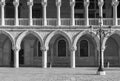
<point x="58" y="33"/>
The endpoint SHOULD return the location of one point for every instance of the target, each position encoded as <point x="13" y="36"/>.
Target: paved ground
<point x="58" y="74"/>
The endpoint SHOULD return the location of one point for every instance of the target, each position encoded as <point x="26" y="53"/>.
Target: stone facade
<point x="20" y="36"/>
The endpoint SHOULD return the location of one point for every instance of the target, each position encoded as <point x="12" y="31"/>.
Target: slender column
<point x="44" y="57"/>
<point x="115" y="4"/>
<point x="58" y="4"/>
<point x="102" y="55"/>
<point x="72" y="4"/>
<point x="2" y="3"/>
<point x="16" y="4"/>
<point x="73" y="57"/>
<point x="44" y="4"/>
<point x="16" y="58"/>
<point x="86" y="4"/>
<point x="30" y="4"/>
<point x="100" y="4"/>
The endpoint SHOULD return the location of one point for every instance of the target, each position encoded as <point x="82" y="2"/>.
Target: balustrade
<point x="64" y="21"/>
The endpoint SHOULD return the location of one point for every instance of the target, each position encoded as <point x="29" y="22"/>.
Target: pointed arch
<point x="92" y="34"/>
<point x="6" y="33"/>
<point x="107" y="36"/>
<point x="25" y="33"/>
<point x="51" y="35"/>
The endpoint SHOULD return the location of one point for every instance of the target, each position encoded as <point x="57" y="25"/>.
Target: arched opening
<point x="61" y="48"/>
<point x="111" y="53"/>
<point x="51" y="9"/>
<point x="83" y="48"/>
<point x="37" y="9"/>
<point x="30" y="53"/>
<point x="9" y="9"/>
<point x="23" y="10"/>
<point x="6" y="52"/>
<point x="79" y="9"/>
<point x="108" y="9"/>
<point x="86" y="53"/>
<point x="118" y="9"/>
<point x="59" y="53"/>
<point x="65" y="9"/>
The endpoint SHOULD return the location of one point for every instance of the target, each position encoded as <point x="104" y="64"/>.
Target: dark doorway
<point x="12" y="59"/>
<point x="21" y="57"/>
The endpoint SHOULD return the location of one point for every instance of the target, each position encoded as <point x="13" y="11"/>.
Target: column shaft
<point x="30" y="4"/>
<point x="102" y="60"/>
<point x="2" y="13"/>
<point x="30" y="16"/>
<point x="44" y="58"/>
<point x="44" y="4"/>
<point x="73" y="59"/>
<point x="16" y="58"/>
<point x="58" y="4"/>
<point x="86" y="4"/>
<point x="100" y="4"/>
<point x="58" y="16"/>
<point x="115" y="4"/>
<point x="16" y="4"/>
<point x="72" y="3"/>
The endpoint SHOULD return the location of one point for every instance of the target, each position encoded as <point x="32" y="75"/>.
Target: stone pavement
<point x="58" y="74"/>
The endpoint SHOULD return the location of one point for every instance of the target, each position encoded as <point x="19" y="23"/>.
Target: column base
<point x="101" y="73"/>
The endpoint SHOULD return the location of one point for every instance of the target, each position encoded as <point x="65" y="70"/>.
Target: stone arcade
<point x="57" y="33"/>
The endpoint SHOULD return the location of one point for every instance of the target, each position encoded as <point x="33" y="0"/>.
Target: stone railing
<point x="53" y="21"/>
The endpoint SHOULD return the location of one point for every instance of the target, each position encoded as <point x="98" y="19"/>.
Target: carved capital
<point x="100" y="3"/>
<point x="30" y="3"/>
<point x="86" y="3"/>
<point x="16" y="48"/>
<point x="115" y="3"/>
<point x="15" y="3"/>
<point x="44" y="48"/>
<point x="2" y="3"/>
<point x="73" y="48"/>
<point x="58" y="2"/>
<point x="44" y="3"/>
<point x="72" y="3"/>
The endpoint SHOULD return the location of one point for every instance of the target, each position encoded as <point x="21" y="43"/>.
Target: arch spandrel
<point x="25" y="33"/>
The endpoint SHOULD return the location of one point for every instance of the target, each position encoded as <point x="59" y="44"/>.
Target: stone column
<point x="86" y="4"/>
<point x="16" y="57"/>
<point x="100" y="4"/>
<point x="115" y="4"/>
<point x="44" y="57"/>
<point x="72" y="4"/>
<point x="44" y="4"/>
<point x="16" y="4"/>
<point x="30" y="4"/>
<point x="73" y="57"/>
<point x="2" y="3"/>
<point x="58" y="4"/>
<point x="102" y="54"/>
